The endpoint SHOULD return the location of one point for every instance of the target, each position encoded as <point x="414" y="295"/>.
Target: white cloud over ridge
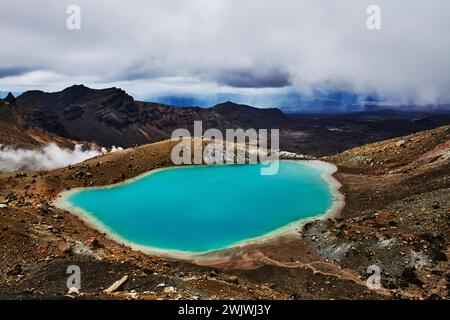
<point x="154" y="46"/>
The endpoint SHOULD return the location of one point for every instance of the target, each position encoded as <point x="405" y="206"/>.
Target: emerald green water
<point x="203" y="208"/>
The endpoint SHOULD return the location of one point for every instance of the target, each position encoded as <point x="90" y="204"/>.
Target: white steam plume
<point x="50" y="156"/>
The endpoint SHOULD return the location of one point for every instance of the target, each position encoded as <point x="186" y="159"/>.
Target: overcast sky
<point x="240" y="46"/>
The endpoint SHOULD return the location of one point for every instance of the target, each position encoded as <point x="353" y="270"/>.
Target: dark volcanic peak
<point x="231" y="107"/>
<point x="230" y="104"/>
<point x="76" y="95"/>
<point x="82" y="113"/>
<point x="77" y="89"/>
<point x="9" y="99"/>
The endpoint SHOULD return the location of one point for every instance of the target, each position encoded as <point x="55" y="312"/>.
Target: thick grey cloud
<point x="13" y="71"/>
<point x="253" y="78"/>
<point x="245" y="45"/>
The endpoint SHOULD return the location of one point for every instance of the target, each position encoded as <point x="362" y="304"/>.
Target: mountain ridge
<point x="22" y="126"/>
<point x="110" y="117"/>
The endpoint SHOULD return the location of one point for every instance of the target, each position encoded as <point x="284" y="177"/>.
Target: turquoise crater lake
<point x="201" y="208"/>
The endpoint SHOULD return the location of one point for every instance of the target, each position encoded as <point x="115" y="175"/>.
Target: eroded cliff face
<point x="24" y="127"/>
<point x="112" y="117"/>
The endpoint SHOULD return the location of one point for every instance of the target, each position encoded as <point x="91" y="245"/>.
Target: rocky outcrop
<point x="26" y="127"/>
<point x="9" y="99"/>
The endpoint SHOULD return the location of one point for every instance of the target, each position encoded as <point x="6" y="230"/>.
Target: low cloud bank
<point x="50" y="156"/>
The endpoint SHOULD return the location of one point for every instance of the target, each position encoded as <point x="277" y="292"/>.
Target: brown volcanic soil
<point x="396" y="216"/>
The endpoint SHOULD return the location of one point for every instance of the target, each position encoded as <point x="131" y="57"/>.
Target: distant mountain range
<point x="112" y="117"/>
<point x="293" y="102"/>
<point x="290" y="102"/>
